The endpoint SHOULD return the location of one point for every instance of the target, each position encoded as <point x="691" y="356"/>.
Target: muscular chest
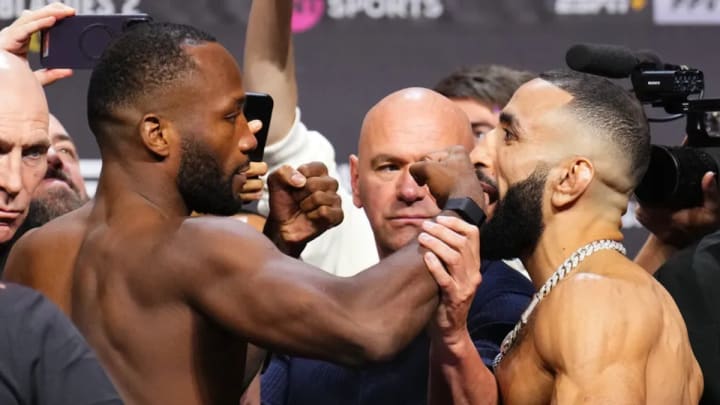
<point x="522" y="378"/>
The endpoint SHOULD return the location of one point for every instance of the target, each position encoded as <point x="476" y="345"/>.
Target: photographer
<point x="683" y="253"/>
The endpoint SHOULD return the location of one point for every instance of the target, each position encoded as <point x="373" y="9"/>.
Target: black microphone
<point x="608" y="60"/>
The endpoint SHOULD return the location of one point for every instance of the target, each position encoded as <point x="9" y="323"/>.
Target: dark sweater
<point x="501" y="298"/>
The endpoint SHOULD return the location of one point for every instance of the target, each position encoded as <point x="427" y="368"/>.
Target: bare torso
<point x="112" y="279"/>
<point x="549" y="363"/>
<point x="157" y="347"/>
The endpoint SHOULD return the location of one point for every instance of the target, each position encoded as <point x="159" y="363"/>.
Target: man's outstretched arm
<point x="277" y="302"/>
<point x="269" y="62"/>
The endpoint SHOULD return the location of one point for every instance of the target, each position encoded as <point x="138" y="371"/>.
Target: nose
<point x="248" y="141"/>
<point x="408" y="191"/>
<point x="11" y="173"/>
<point x="53" y="159"/>
<point x="482" y="154"/>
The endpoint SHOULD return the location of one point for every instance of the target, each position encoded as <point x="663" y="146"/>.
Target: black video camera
<point x="674" y="176"/>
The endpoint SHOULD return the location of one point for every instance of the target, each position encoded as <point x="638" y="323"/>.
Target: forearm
<point x="653" y="254"/>
<point x="458" y="375"/>
<point x="269" y="65"/>
<point x="394" y="299"/>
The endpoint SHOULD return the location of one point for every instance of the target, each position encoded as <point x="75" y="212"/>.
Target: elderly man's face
<point x="23" y="141"/>
<point x="63" y="188"/>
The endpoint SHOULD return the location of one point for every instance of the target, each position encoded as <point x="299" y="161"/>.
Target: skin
<point x="483" y="118"/>
<point x="15" y="38"/>
<point x="63" y="156"/>
<point x="399" y="131"/>
<point x="196" y="284"/>
<point x="23" y="141"/>
<point x="608" y="331"/>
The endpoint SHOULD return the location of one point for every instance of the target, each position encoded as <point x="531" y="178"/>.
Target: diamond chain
<point x="565" y="268"/>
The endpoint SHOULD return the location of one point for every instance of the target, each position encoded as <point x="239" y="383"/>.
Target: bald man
<point x="568" y="153"/>
<point x="402" y="129"/>
<point x="24" y="141"/>
<point x="63" y="188"/>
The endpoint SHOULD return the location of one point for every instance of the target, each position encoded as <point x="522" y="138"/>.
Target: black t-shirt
<point x="692" y="277"/>
<point x="43" y="358"/>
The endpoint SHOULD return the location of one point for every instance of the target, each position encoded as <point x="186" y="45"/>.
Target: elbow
<point x="369" y="347"/>
<point x="382" y="345"/>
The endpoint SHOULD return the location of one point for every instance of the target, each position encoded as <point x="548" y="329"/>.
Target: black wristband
<point x="468" y="210"/>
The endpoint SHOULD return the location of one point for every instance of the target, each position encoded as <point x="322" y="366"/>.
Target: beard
<point x="517" y="224"/>
<point x="50" y="205"/>
<point x="201" y="182"/>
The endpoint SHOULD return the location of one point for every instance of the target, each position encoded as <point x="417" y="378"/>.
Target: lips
<point x="8" y="216"/>
<point x="491" y="191"/>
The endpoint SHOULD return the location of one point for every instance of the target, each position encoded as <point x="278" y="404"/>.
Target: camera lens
<point x="674" y="176"/>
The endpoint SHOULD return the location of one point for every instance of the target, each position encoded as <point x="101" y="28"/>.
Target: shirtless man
<point x="568" y="153"/>
<point x="170" y="302"/>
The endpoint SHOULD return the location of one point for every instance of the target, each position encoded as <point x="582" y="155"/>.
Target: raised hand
<point x="303" y="204"/>
<point x="454" y="261"/>
<point x="15" y="38"/>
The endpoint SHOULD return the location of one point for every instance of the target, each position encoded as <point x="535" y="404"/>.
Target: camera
<point x="674" y="176"/>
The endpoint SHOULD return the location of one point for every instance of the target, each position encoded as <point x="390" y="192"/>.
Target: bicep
<point x="271" y="299"/>
<point x="619" y="382"/>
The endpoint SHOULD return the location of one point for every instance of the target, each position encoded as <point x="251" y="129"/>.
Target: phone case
<point x="78" y="42"/>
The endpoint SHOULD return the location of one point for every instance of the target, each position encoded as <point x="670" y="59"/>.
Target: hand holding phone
<point x="78" y="42"/>
<point x="16" y="37"/>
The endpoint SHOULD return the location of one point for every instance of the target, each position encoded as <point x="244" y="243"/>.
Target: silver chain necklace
<point x="570" y="264"/>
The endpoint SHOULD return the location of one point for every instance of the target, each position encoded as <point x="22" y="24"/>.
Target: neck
<point x="563" y="236"/>
<point x="143" y="180"/>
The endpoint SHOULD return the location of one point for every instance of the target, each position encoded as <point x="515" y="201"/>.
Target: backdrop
<point x="350" y="53"/>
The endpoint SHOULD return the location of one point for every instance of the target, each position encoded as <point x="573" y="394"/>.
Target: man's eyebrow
<point x="61" y="137"/>
<point x="510" y="120"/>
<point x="45" y="143"/>
<point x="383" y="157"/>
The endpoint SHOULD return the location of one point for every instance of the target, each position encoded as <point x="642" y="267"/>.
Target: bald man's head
<point x="401" y="129"/>
<point x="23" y="141"/>
<point x="411" y="110"/>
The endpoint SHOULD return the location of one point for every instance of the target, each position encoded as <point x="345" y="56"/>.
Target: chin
<point x="7" y="234"/>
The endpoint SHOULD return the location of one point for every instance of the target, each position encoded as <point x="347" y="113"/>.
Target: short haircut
<point x="148" y="57"/>
<point x="492" y="85"/>
<point x="603" y="105"/>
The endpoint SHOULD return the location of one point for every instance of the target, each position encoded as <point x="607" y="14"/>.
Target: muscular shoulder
<point x="590" y="315"/>
<point x="216" y="244"/>
<point x="40" y="248"/>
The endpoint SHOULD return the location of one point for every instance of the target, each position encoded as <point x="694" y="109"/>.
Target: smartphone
<point x="259" y="106"/>
<point x="77" y="42"/>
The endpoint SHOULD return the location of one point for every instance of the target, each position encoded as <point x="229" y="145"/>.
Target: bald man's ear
<point x="155" y="135"/>
<point x="574" y="180"/>
<point x="354" y="181"/>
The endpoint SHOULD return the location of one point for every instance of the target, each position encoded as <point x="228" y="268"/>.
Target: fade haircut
<point x="148" y="57"/>
<point x="607" y="107"/>
<point x="492" y="85"/>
